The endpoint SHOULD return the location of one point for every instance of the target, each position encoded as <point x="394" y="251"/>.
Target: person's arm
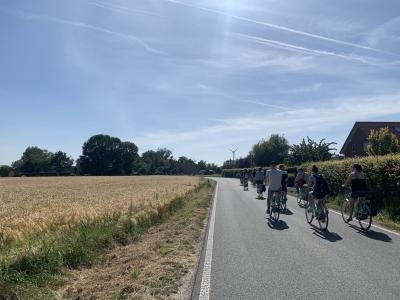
<point x="348" y="180"/>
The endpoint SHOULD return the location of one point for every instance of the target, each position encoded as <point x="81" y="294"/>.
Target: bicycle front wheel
<point x="345" y="210"/>
<point x="309" y="213"/>
<point x="323" y="219"/>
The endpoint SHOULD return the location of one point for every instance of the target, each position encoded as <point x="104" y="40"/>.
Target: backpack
<point x="321" y="189"/>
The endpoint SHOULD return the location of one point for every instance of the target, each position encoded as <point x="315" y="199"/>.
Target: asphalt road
<point x="255" y="258"/>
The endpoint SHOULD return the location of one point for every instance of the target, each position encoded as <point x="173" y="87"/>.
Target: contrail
<point x="120" y="35"/>
<point x="290" y="47"/>
<point x="266" y="104"/>
<point x="274" y="26"/>
<point x="122" y="9"/>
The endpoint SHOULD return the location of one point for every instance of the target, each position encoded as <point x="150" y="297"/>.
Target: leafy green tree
<point x="158" y="162"/>
<point x="309" y="151"/>
<point x="34" y="161"/>
<point x="383" y="142"/>
<point x="274" y="149"/>
<point x="106" y="155"/>
<point x="187" y="166"/>
<point x="5" y="171"/>
<point x="202" y="165"/>
<point x="61" y="163"/>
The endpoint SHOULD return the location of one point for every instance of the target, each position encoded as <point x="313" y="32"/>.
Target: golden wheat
<point x="43" y="204"/>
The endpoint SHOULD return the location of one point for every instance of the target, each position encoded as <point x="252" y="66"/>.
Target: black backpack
<point x="321" y="189"/>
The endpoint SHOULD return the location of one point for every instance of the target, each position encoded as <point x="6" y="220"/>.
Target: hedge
<point x="383" y="173"/>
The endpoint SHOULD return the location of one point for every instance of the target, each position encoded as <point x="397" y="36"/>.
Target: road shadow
<point x="277" y="225"/>
<point x="375" y="235"/>
<point x="326" y="235"/>
<point x="262" y="198"/>
<point x="287" y="212"/>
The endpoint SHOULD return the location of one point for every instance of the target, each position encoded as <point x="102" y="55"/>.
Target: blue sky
<point x="197" y="77"/>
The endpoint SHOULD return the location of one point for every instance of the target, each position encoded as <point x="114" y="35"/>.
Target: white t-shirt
<point x="275" y="179"/>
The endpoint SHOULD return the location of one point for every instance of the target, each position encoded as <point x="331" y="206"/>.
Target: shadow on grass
<point x="375" y="235"/>
<point x="326" y="235"/>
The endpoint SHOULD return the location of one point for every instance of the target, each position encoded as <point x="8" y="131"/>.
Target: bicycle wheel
<point x="345" y="208"/>
<point x="309" y="213"/>
<point x="366" y="223"/>
<point x="323" y="222"/>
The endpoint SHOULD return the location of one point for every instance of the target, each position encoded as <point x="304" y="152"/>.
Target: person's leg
<point x="351" y="209"/>
<point x="310" y="201"/>
<point x="269" y="197"/>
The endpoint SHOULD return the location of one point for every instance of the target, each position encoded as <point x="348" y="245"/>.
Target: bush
<point x="383" y="174"/>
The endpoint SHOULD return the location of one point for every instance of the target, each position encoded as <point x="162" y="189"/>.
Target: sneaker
<point x="268" y="211"/>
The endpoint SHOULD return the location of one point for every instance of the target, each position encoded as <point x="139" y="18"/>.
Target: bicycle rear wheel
<point x="309" y="213"/>
<point x="323" y="222"/>
<point x="345" y="208"/>
<point x="366" y="223"/>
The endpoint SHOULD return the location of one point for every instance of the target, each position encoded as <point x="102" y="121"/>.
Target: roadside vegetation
<point x="32" y="266"/>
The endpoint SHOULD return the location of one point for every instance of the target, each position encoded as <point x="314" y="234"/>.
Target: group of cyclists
<point x="310" y="187"/>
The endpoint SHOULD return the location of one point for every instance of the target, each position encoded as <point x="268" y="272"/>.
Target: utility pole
<point x="233" y="153"/>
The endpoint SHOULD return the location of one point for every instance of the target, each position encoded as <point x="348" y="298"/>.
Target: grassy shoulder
<point x="381" y="219"/>
<point x="37" y="269"/>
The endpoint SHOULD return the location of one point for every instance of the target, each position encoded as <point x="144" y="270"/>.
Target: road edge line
<point x="206" y="275"/>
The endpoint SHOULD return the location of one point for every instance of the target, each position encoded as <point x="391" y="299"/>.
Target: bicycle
<point x="318" y="211"/>
<point x="362" y="211"/>
<point x="260" y="190"/>
<point x="302" y="196"/>
<point x="283" y="201"/>
<point x="276" y="206"/>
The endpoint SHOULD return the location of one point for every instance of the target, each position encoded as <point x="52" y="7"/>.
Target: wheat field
<point x="43" y="204"/>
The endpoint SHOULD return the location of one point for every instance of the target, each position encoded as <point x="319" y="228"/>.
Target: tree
<point x="60" y="162"/>
<point x="158" y="162"/>
<point x="274" y="149"/>
<point x="382" y="142"/>
<point x="106" y="155"/>
<point x="5" y="171"/>
<point x="202" y="165"/>
<point x="309" y="151"/>
<point x="187" y="166"/>
<point x="34" y="161"/>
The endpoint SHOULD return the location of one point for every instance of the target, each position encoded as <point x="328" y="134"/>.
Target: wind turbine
<point x="233" y="153"/>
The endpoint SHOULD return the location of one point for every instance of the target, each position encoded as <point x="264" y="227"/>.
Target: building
<point x="356" y="143"/>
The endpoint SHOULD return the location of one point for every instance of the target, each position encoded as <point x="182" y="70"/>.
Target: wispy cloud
<point x="280" y="107"/>
<point x="123" y="9"/>
<point x="115" y="34"/>
<point x="304" y="50"/>
<point x="312" y="119"/>
<point x="278" y="27"/>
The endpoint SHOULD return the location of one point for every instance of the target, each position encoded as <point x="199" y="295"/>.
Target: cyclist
<point x="274" y="180"/>
<point x="301" y="181"/>
<point x="358" y="182"/>
<point x="319" y="190"/>
<point x="246" y="176"/>
<point x="259" y="177"/>
<point x="284" y="181"/>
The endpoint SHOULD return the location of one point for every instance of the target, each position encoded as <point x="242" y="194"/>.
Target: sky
<point x="196" y="76"/>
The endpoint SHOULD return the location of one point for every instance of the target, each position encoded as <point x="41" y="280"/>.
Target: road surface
<point x="247" y="256"/>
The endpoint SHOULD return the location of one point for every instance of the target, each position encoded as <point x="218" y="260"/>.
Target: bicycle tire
<point x="366" y="224"/>
<point x="345" y="208"/>
<point x="324" y="225"/>
<point x="309" y="214"/>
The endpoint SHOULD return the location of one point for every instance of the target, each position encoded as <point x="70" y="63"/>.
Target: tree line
<point x="106" y="155"/>
<point x="276" y="148"/>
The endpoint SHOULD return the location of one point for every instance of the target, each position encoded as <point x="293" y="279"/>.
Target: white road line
<point x="206" y="276"/>
<point x="375" y="226"/>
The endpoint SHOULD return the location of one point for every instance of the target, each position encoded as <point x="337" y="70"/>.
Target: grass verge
<point x="35" y="270"/>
